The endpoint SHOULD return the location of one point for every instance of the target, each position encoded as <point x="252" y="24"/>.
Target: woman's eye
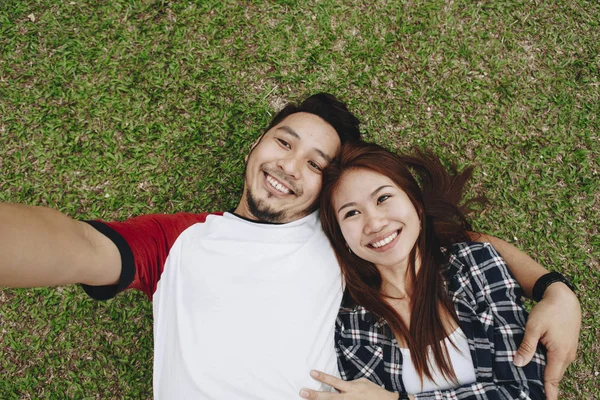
<point x="383" y="198"/>
<point x="284" y="143"/>
<point x="350" y="214"/>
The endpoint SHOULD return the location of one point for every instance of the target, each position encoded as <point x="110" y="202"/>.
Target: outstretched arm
<point x="43" y="247"/>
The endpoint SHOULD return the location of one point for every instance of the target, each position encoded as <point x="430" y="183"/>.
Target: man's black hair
<point x="330" y="109"/>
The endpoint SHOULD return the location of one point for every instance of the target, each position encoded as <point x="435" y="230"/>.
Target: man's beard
<point x="262" y="211"/>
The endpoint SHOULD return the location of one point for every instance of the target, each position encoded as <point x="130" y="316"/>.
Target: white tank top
<point x="461" y="362"/>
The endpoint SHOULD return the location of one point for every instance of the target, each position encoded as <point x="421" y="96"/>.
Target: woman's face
<point x="376" y="217"/>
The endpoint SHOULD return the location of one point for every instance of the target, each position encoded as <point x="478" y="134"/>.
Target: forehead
<point x="311" y="131"/>
<point x="356" y="185"/>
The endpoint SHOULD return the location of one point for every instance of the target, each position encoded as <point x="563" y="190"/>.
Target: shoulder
<point x="358" y="326"/>
<point x="149" y="231"/>
<point x="478" y="250"/>
<point x="180" y="218"/>
<point x="159" y="222"/>
<point x="352" y="318"/>
<point x="469" y="257"/>
<point x="478" y="265"/>
<point x="349" y="317"/>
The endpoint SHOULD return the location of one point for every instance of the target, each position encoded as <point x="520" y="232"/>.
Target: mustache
<point x="280" y="176"/>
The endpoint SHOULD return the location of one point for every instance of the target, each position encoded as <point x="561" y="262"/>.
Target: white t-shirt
<point x="245" y="310"/>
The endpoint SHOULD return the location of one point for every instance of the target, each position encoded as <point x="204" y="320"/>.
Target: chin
<point x="263" y="211"/>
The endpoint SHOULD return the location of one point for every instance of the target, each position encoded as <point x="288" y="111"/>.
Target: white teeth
<point x="385" y="241"/>
<point x="277" y="185"/>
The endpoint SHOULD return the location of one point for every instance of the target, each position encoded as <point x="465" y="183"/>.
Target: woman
<point x="428" y="314"/>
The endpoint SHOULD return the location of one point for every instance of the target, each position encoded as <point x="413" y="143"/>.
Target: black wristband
<point x="403" y="396"/>
<point x="546" y="280"/>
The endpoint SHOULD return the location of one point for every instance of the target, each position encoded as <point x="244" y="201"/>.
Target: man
<point x="244" y="302"/>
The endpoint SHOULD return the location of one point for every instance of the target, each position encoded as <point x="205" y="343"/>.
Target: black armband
<point x="127" y="265"/>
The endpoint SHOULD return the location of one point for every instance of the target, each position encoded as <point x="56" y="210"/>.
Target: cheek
<point x="263" y="150"/>
<point x="251" y="160"/>
<point x="408" y="212"/>
<point x="312" y="187"/>
<point x="351" y="234"/>
<point x="414" y="223"/>
<point x="414" y="215"/>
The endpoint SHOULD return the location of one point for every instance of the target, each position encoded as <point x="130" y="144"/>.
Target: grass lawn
<point x="110" y="109"/>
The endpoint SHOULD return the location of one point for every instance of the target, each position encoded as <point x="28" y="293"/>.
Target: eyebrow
<point x="373" y="194"/>
<point x="293" y="133"/>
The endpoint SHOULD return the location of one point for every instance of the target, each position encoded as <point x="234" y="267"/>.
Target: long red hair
<point x="436" y="194"/>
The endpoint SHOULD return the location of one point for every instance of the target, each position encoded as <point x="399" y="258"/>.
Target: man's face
<point x="283" y="170"/>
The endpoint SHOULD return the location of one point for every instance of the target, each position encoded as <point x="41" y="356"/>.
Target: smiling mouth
<point x="385" y="241"/>
<point x="278" y="186"/>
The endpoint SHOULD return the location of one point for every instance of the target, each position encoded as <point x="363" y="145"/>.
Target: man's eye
<point x="284" y="143"/>
<point x="383" y="198"/>
<point x="314" y="165"/>
<point x="350" y="213"/>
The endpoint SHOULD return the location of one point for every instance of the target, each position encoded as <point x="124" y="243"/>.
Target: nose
<point x="289" y="165"/>
<point x="374" y="222"/>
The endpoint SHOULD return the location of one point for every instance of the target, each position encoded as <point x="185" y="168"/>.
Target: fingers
<point x="528" y="346"/>
<point x="330" y="380"/>
<point x="552" y="376"/>
<point x="314" y="395"/>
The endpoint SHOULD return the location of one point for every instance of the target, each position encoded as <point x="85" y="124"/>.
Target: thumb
<point x="527" y="348"/>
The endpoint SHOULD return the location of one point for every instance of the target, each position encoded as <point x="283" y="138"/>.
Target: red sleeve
<point x="144" y="243"/>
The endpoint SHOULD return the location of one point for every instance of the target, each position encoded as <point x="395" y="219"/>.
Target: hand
<point x="349" y="390"/>
<point x="555" y="322"/>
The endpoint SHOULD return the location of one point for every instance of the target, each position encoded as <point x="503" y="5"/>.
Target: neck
<point x="397" y="280"/>
<point x="242" y="211"/>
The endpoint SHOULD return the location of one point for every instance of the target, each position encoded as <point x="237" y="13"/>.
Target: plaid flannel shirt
<point x="488" y="304"/>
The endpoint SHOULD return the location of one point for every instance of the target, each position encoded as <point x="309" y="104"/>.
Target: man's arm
<point x="524" y="268"/>
<point x="555" y="321"/>
<point x="43" y="247"/>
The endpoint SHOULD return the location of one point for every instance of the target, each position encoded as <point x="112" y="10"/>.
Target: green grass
<point x="110" y="109"/>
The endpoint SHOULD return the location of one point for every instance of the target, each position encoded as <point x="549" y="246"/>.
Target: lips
<point x="276" y="184"/>
<point x="384" y="241"/>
